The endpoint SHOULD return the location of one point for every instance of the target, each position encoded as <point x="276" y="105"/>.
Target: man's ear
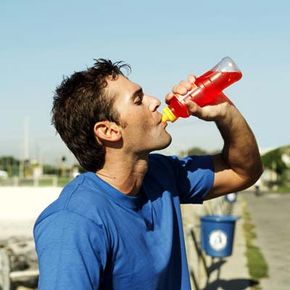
<point x="107" y="131"/>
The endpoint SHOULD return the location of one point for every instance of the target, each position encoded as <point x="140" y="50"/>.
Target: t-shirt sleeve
<point x="194" y="177"/>
<point x="71" y="252"/>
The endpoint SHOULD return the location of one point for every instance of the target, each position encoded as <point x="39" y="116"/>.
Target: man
<point x="119" y="226"/>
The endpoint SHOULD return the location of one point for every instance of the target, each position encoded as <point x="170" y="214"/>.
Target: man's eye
<point x="138" y="100"/>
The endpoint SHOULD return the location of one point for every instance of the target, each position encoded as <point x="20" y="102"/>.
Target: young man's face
<point x="142" y="129"/>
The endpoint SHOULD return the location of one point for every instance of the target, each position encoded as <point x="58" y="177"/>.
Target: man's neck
<point x="125" y="173"/>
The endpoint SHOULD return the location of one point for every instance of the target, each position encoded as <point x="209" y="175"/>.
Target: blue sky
<point x="163" y="41"/>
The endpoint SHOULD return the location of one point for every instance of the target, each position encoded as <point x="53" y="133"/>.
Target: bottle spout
<point x="164" y="119"/>
<point x="167" y="115"/>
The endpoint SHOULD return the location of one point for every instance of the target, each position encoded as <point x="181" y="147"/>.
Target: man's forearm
<point x="240" y="151"/>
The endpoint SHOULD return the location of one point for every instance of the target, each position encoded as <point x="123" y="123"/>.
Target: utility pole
<point x="25" y="153"/>
<point x="26" y="138"/>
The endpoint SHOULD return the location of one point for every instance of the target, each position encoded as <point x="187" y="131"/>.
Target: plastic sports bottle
<point x="207" y="90"/>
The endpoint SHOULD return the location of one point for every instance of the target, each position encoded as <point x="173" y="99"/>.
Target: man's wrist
<point x="226" y="114"/>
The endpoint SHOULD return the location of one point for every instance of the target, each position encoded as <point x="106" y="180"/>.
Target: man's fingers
<point x="191" y="79"/>
<point x="168" y="97"/>
<point x="207" y="113"/>
<point x="193" y="108"/>
<point x="182" y="88"/>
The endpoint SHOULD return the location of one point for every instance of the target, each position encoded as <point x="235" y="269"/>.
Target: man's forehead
<point x="121" y="86"/>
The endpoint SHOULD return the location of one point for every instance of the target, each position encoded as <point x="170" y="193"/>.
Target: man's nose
<point x="154" y="103"/>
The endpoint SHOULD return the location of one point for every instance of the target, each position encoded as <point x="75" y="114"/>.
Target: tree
<point x="272" y="160"/>
<point x="10" y="165"/>
<point x="193" y="151"/>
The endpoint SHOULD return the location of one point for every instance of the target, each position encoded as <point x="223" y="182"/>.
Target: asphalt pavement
<point x="270" y="213"/>
<point x="230" y="273"/>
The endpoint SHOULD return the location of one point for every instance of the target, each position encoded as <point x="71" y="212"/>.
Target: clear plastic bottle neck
<point x="226" y="65"/>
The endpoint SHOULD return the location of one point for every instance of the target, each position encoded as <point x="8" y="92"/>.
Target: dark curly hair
<point x="81" y="101"/>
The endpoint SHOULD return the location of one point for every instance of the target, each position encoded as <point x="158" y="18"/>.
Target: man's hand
<point x="182" y="88"/>
<point x="207" y="113"/>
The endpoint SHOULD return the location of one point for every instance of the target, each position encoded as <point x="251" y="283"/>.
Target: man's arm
<point x="70" y="251"/>
<point x="238" y="166"/>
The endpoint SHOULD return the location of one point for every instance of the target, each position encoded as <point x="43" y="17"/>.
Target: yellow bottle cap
<point x="167" y="115"/>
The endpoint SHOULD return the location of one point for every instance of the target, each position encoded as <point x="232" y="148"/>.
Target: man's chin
<point x="165" y="144"/>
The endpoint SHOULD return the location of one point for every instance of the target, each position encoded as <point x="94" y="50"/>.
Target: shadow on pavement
<point x="234" y="284"/>
<point x="215" y="266"/>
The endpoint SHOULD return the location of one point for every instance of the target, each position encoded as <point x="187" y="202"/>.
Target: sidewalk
<point x="270" y="214"/>
<point x="230" y="273"/>
<point x="234" y="272"/>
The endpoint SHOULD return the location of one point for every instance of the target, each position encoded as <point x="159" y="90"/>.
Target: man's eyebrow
<point x="137" y="93"/>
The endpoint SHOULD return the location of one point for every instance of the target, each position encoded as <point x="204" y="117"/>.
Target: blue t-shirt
<point x="95" y="237"/>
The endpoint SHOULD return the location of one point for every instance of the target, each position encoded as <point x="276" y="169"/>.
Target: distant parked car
<point x="3" y="174"/>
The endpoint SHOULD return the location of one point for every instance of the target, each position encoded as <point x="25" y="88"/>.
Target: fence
<point x="46" y="180"/>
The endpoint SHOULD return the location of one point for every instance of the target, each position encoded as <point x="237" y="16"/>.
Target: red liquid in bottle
<point x="208" y="91"/>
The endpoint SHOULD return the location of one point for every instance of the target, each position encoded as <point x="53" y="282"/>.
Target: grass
<point x="256" y="262"/>
<point x="283" y="189"/>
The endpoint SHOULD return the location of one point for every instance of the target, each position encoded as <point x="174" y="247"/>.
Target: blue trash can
<point x="217" y="234"/>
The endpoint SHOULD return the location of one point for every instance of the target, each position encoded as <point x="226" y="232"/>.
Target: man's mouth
<point x="163" y="124"/>
<point x="160" y="117"/>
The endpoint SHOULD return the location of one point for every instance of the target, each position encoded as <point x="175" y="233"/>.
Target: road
<point x="271" y="215"/>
